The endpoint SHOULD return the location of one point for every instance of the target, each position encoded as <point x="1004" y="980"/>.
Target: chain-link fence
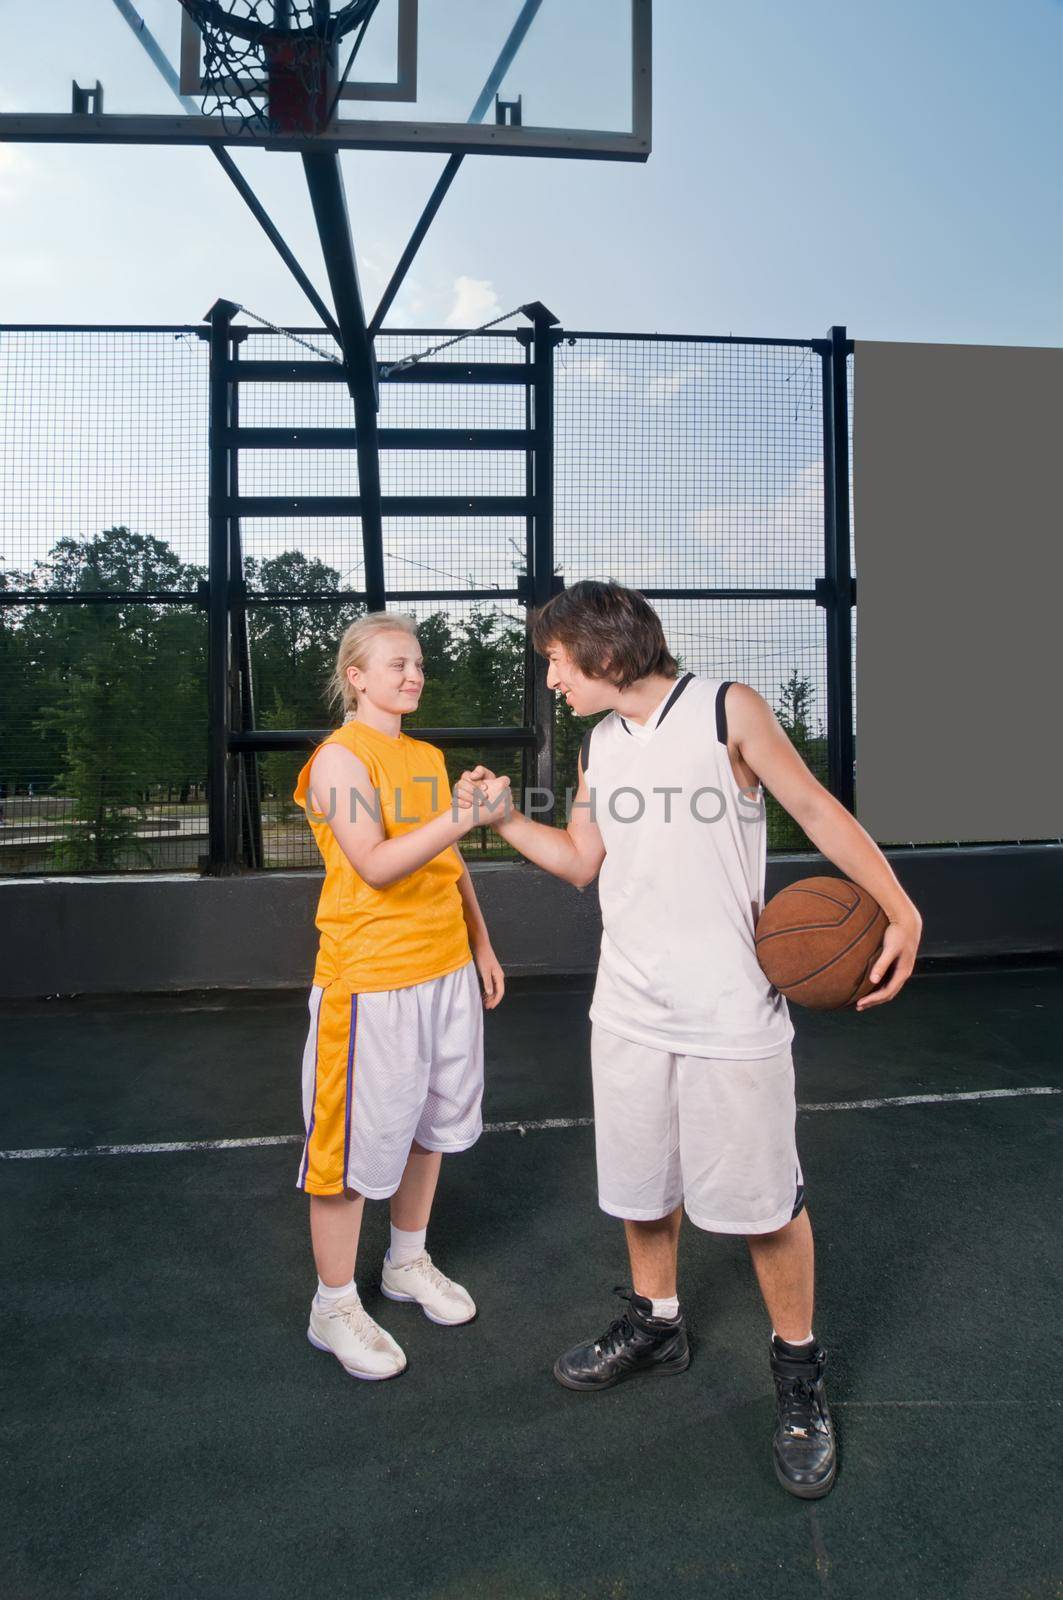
<point x="681" y="466"/>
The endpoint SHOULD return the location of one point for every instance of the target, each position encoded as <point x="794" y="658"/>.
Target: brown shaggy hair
<point x="609" y="631"/>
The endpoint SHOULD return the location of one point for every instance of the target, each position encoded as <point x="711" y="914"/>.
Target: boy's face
<point x="583" y="695"/>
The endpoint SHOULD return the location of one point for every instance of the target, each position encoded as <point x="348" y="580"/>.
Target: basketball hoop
<point x="300" y="82"/>
<point x="272" y="64"/>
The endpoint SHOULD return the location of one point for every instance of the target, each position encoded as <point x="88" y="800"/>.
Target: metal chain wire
<point x="466" y="333"/>
<point x="296" y="338"/>
<point x="390" y="366"/>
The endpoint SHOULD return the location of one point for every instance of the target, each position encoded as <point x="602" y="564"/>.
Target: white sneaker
<point x="441" y="1300"/>
<point x="345" y="1329"/>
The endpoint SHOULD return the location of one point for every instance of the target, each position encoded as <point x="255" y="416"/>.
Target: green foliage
<point x="111" y="697"/>
<point x="293" y="648"/>
<point x="474" y="678"/>
<point x="793" y="710"/>
<point x="105" y="705"/>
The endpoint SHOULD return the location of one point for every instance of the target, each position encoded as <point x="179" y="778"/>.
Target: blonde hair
<point x="354" y="650"/>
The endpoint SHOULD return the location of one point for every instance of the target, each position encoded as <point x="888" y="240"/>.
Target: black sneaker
<point x="636" y="1341"/>
<point x="803" y="1448"/>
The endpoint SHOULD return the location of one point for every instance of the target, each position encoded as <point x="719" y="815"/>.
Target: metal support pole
<point x="424" y="222"/>
<point x="325" y="183"/>
<point x="485" y="101"/>
<point x="527" y="711"/>
<point x="220" y="788"/>
<point x="836" y="591"/>
<point x="161" y="61"/>
<point x="543" y="585"/>
<point x="274" y="235"/>
<point x="249" y="832"/>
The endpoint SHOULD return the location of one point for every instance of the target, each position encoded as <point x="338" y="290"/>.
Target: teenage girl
<point x="393" y="1063"/>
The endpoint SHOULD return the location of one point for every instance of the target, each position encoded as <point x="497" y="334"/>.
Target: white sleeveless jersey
<point x="682" y="883"/>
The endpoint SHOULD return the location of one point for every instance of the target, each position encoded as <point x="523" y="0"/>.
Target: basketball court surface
<point x="169" y="1430"/>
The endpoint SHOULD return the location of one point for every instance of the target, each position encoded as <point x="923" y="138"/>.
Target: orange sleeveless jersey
<point x="414" y="929"/>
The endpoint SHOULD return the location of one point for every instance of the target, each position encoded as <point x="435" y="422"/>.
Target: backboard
<point x="503" y="77"/>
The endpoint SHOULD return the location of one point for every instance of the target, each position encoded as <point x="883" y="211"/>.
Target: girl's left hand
<point x="494" y="983"/>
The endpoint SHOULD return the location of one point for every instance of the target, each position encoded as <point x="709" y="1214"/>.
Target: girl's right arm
<point x="342" y="792"/>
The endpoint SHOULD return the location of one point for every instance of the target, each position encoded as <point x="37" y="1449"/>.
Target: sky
<point x="896" y="168"/>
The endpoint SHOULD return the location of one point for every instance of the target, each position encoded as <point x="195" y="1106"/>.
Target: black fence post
<point x="248" y="840"/>
<point x="527" y="707"/>
<point x="219" y="860"/>
<point x="545" y="336"/>
<point x="837" y="590"/>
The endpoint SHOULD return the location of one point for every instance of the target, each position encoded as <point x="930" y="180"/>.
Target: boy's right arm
<point x="342" y="793"/>
<point x="574" y="853"/>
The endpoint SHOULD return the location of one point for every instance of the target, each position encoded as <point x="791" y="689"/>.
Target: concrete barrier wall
<point x="157" y="932"/>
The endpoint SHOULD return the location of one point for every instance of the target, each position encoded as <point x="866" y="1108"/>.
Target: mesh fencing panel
<point x="690" y="464"/>
<point x="419" y="552"/>
<point x="101" y="429"/>
<point x="104" y="475"/>
<point x="698" y="464"/>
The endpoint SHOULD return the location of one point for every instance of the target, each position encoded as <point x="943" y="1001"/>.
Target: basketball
<point x="817" y="941"/>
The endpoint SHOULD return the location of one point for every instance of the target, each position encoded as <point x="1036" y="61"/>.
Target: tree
<point x="106" y="703"/>
<point x="120" y="690"/>
<point x="794" y="711"/>
<point x="293" y="650"/>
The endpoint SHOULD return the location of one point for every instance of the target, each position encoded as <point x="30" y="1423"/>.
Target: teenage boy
<point x="691" y="1062"/>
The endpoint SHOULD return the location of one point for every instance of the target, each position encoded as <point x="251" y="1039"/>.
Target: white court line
<point x="171" y="1148"/>
<point x="924" y="1099"/>
<point x="176" y="1146"/>
<point x="976" y="1400"/>
<point x="148" y="1149"/>
<point x="534" y="1127"/>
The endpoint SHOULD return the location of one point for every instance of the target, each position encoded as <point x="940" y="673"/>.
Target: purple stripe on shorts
<point x="799" y="1201"/>
<point x="301" y="1182"/>
<point x="352" y="1035"/>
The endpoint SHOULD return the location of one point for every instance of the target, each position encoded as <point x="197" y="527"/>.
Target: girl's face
<point x="582" y="694"/>
<point x="394" y="677"/>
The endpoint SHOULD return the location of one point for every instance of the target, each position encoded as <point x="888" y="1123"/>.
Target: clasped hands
<point x="486" y="795"/>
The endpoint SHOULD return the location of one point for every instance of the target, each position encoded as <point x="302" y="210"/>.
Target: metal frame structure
<point x="231" y="705"/>
<point x="403" y="87"/>
<point x="234" y="743"/>
<point x="472" y="136"/>
<point x="356" y="334"/>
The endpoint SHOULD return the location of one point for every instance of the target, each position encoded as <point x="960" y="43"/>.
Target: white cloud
<point x="667" y="540"/>
<point x="593" y="369"/>
<point x="29" y="269"/>
<point x="666" y="385"/>
<point x="411" y="307"/>
<point x="16" y="169"/>
<point x="475" y="302"/>
<point x="786" y="526"/>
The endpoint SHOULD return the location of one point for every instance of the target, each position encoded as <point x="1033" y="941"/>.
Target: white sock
<point x="406" y="1245"/>
<point x="328" y="1295"/>
<point x="807" y="1340"/>
<point x="666" y="1308"/>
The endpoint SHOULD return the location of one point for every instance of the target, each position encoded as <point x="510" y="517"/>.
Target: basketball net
<point x="270" y="65"/>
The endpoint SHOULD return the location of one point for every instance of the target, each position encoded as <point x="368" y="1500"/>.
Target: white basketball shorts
<point x="383" y="1069"/>
<point x="715" y="1135"/>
